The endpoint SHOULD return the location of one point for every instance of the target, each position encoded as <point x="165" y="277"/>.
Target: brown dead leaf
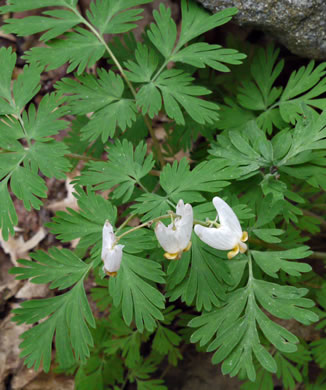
<point x="50" y="382"/>
<point x="9" y="347"/>
<point x="69" y="201"/>
<point x="18" y="248"/>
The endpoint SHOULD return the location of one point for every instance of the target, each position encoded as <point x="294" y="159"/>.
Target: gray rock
<point x="300" y="25"/>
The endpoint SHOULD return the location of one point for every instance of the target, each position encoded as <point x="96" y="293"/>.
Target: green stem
<point x="318" y="206"/>
<point x="132" y="89"/>
<point x="251" y="275"/>
<point x="142" y="187"/>
<point x="145" y="224"/>
<point x="170" y="203"/>
<point x="318" y="255"/>
<point x="320" y="219"/>
<point x="125" y="381"/>
<point x="131" y="216"/>
<point x="82" y="157"/>
<point x="203" y="223"/>
<point x="20" y="119"/>
<point x="159" y="71"/>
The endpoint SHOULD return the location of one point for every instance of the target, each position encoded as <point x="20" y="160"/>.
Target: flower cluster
<point x="175" y="238"/>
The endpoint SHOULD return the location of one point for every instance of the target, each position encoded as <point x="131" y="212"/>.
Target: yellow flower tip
<point x="244" y="236"/>
<point x="243" y="249"/>
<point x="172" y="256"/>
<point x="187" y="248"/>
<point x="113" y="274"/>
<point x="234" y="252"/>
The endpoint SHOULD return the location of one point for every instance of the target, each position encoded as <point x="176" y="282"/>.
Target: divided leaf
<point x="178" y="91"/>
<point x="60" y="267"/>
<point x="196" y="21"/>
<point x="308" y="135"/>
<point x="126" y="167"/>
<point x="114" y="16"/>
<point x="80" y="49"/>
<point x="272" y="262"/>
<point x="164" y="33"/>
<point x="133" y="289"/>
<point x="179" y="182"/>
<point x="103" y="97"/>
<point x="87" y="223"/>
<point x="304" y="85"/>
<point x="274" y="106"/>
<point x="56" y="22"/>
<point x="146" y="63"/>
<point x="19" y="165"/>
<point x="198" y="277"/>
<point x="66" y="317"/>
<point x="246" y="148"/>
<point x="18" y="6"/>
<point x="203" y="54"/>
<point x="232" y="330"/>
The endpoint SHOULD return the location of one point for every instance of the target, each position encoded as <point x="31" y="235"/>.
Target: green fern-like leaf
<point x="114" y="16"/>
<point x="87" y="223"/>
<point x="19" y="165"/>
<point x="126" y="167"/>
<point x="234" y="327"/>
<point x="60" y="267"/>
<point x="109" y="109"/>
<point x="65" y="319"/>
<point x="80" y="49"/>
<point x="199" y="277"/>
<point x="66" y="316"/>
<point x="133" y="290"/>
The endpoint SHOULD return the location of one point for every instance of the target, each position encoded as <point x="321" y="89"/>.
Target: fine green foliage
<point x="272" y="262"/>
<point x="232" y="330"/>
<point x="288" y="370"/>
<point x="61" y="313"/>
<point x="292" y="153"/>
<point x="85" y="224"/>
<point x="179" y="182"/>
<point x="61" y="21"/>
<point x="60" y="267"/>
<point x="199" y="278"/>
<point x="110" y="110"/>
<point x="80" y="48"/>
<point x="125" y="167"/>
<point x="146" y="130"/>
<point x="273" y="105"/>
<point x="131" y="289"/>
<point x="166" y="341"/>
<point x="115" y="17"/>
<point x="20" y="165"/>
<point x="238" y="339"/>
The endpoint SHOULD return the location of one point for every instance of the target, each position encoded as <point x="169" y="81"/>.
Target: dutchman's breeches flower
<point x="111" y="252"/>
<point x="228" y="235"/>
<point x="175" y="238"/>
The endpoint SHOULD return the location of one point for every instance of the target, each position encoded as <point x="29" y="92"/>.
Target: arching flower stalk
<point x="175" y="238"/>
<point x="111" y="252"/>
<point x="227" y="235"/>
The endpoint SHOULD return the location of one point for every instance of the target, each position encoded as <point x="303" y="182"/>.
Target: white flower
<point x="111" y="253"/>
<point x="228" y="235"/>
<point x="175" y="238"/>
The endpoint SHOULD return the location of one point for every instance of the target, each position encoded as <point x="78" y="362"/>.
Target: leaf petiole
<point x="131" y="87"/>
<point x="145" y="224"/>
